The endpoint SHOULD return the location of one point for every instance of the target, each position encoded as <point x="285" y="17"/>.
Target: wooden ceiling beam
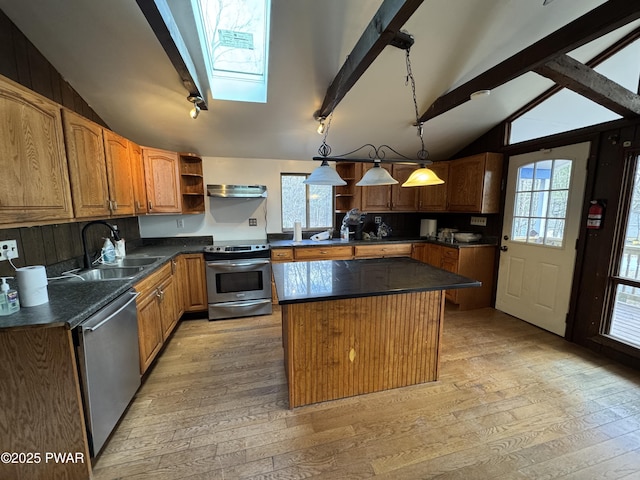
<point x="601" y="20"/>
<point x="568" y="72"/>
<point x="380" y="32"/>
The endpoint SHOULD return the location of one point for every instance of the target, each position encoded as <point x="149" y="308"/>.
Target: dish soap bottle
<point x="108" y="251"/>
<point x="9" y="302"/>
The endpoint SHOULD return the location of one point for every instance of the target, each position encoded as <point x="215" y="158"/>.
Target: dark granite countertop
<point x="71" y="302"/>
<point x="300" y="282"/>
<point x="337" y="242"/>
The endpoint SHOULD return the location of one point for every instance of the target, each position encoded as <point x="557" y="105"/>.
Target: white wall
<point x="228" y="218"/>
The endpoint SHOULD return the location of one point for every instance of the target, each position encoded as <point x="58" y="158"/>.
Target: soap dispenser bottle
<point x="9" y="302"/>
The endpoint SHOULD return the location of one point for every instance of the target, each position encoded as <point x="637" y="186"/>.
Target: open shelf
<point x="191" y="183"/>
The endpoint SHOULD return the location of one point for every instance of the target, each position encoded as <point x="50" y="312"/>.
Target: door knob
<point x="504" y="248"/>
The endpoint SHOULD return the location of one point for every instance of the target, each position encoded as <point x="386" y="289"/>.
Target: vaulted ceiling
<point x="110" y="55"/>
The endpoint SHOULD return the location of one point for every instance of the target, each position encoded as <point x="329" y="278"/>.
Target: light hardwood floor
<point x="513" y="402"/>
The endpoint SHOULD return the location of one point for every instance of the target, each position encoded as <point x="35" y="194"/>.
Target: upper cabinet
<point x="474" y="184"/>
<point x="162" y="175"/>
<point x="116" y="149"/>
<point x="137" y="179"/>
<point x="99" y="168"/>
<point x="34" y="184"/>
<point x="191" y="183"/>
<point x="385" y="198"/>
<point x="433" y="198"/>
<point x="348" y="196"/>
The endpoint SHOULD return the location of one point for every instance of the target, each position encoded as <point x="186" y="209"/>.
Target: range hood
<point x="237" y="191"/>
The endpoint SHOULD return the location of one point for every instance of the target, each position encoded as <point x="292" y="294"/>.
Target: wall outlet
<point x="480" y="221"/>
<point x="180" y="222"/>
<point x="377" y="220"/>
<point x="8" y="249"/>
<point x="253" y="222"/>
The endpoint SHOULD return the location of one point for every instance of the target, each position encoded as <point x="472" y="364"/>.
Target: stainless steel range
<point x="238" y="279"/>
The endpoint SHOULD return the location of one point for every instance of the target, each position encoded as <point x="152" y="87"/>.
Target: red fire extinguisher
<point x="596" y="214"/>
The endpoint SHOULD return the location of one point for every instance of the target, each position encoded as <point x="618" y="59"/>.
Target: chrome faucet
<point x="87" y="260"/>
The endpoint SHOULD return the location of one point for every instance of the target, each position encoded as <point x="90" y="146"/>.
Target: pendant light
<point x="376" y="176"/>
<point x="421" y="177"/>
<point x="324" y="175"/>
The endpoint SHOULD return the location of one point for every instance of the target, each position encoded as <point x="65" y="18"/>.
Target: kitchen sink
<point x="105" y="273"/>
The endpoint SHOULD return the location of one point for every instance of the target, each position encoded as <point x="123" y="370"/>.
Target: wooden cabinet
<point x="157" y="312"/>
<point x="116" y="149"/>
<point x="162" y="176"/>
<point x="137" y="179"/>
<point x="474" y="183"/>
<point x="87" y="166"/>
<point x="433" y="198"/>
<point x="282" y="254"/>
<point x="383" y="250"/>
<point x="342" y="252"/>
<point x="34" y="184"/>
<point x="348" y="196"/>
<point x="191" y="183"/>
<point x="475" y="262"/>
<point x="386" y="198"/>
<point x="194" y="295"/>
<point x="99" y="168"/>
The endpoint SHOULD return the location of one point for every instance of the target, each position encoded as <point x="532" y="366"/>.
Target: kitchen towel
<point x="297" y="232"/>
<point x="32" y="285"/>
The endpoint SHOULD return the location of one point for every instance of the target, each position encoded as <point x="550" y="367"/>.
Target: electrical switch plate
<point x="480" y="221"/>
<point x="180" y="223"/>
<point x="253" y="222"/>
<point x="8" y="249"/>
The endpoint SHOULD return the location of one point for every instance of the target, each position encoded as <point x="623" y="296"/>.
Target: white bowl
<point x="467" y="237"/>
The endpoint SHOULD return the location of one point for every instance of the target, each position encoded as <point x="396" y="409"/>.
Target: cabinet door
<point x="34" y="183"/>
<point x="137" y="179"/>
<point x="195" y="296"/>
<point x="87" y="167"/>
<point x="149" y="328"/>
<point x="433" y="198"/>
<point x="378" y="198"/>
<point x="168" y="306"/>
<point x="162" y="176"/>
<point x="403" y="199"/>
<point x="466" y="183"/>
<point x="116" y="150"/>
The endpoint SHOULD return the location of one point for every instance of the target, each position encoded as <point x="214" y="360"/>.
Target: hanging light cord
<point x="422" y="154"/>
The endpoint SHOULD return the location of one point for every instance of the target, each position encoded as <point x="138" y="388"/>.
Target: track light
<point x="321" y="126"/>
<point x="195" y="111"/>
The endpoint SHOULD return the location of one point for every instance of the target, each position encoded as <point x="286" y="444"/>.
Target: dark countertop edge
<point x="334" y="242"/>
<point x="454" y="281"/>
<point x="321" y="298"/>
<point x="99" y="294"/>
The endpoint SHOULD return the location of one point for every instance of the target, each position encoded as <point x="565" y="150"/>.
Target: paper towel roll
<point x="428" y="227"/>
<point x="297" y="232"/>
<point x="32" y="285"/>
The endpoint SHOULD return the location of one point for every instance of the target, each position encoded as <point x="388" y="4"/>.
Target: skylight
<point x="234" y="35"/>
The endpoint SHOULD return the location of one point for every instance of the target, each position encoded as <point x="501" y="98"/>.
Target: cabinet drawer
<point x="388" y="250"/>
<point x="324" y="253"/>
<point x="282" y="254"/>
<point x="154" y="279"/>
<point x="450" y="253"/>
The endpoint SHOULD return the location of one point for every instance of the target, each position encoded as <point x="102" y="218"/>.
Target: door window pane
<point x="540" y="209"/>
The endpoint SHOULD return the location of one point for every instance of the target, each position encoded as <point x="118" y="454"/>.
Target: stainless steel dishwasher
<point x="109" y="363"/>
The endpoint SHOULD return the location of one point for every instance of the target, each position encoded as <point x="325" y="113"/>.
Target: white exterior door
<point x="543" y="203"/>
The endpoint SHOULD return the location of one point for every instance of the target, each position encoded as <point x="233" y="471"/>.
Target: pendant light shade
<point x="422" y="177"/>
<point x="376" y="176"/>
<point x="324" y="175"/>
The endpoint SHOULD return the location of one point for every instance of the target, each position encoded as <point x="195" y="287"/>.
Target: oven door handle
<point x="241" y="303"/>
<point x="229" y="266"/>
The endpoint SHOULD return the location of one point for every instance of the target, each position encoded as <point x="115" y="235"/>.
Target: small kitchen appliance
<point x="238" y="279"/>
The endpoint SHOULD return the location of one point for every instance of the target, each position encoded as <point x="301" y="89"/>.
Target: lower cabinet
<point x="476" y="262"/>
<point x="383" y="250"/>
<point x="157" y="312"/>
<point x="194" y="283"/>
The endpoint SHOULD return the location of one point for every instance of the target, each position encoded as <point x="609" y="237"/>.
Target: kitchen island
<point x="351" y="327"/>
